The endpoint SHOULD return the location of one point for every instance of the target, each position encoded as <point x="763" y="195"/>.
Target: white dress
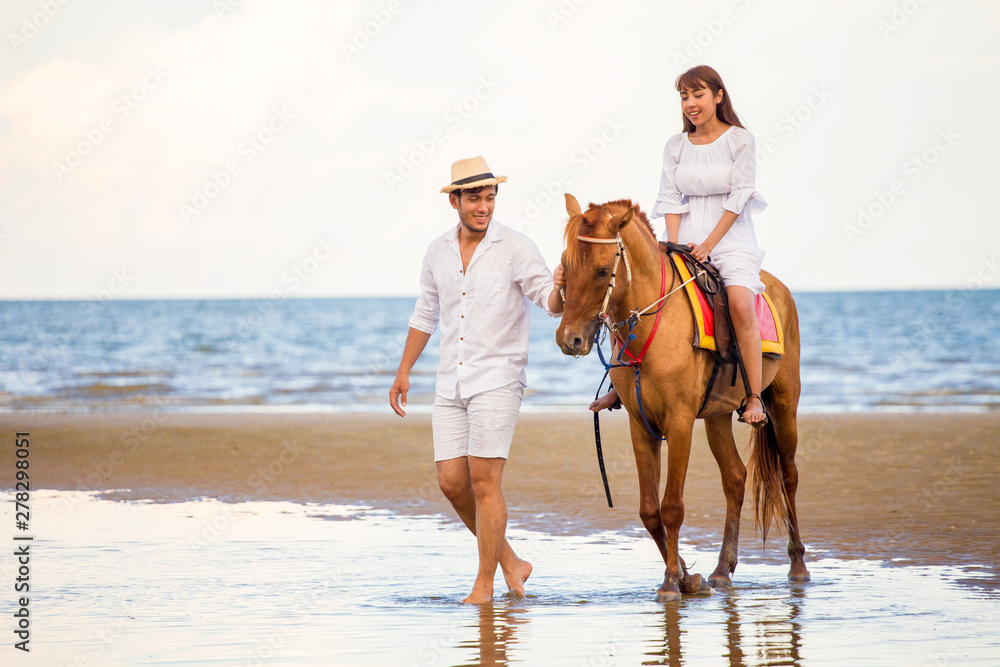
<point x="699" y="182"/>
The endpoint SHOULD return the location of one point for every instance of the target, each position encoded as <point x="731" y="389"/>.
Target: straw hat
<point x="471" y="173"/>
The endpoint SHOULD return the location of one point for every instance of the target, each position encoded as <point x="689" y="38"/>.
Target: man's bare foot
<point x="479" y="596"/>
<point x="606" y="401"/>
<point x="517" y="576"/>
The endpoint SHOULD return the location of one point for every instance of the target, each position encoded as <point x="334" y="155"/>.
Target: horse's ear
<point x="618" y="223"/>
<point x="572" y="205"/>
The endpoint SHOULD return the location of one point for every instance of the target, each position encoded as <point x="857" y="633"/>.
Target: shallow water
<point x="275" y="583"/>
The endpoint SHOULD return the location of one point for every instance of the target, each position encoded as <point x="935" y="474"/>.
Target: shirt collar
<point x="494" y="232"/>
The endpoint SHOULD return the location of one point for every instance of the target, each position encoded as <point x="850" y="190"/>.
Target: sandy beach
<point x="920" y="489"/>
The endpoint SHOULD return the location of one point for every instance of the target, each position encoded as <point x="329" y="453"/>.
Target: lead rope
<point x="597" y="439"/>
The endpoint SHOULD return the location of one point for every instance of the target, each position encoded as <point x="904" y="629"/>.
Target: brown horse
<point x="675" y="377"/>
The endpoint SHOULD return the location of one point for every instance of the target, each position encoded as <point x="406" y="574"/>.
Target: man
<point x="476" y="283"/>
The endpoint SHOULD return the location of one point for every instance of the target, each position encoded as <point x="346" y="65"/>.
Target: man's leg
<point x="491" y="523"/>
<point x="455" y="480"/>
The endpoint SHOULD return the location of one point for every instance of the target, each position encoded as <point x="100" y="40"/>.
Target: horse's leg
<point x="676" y="579"/>
<point x="647" y="463"/>
<point x="785" y="420"/>
<point x="734" y="476"/>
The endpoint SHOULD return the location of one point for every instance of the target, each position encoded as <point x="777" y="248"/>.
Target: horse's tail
<point x="766" y="480"/>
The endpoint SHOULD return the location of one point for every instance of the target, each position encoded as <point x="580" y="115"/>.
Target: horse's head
<point x="588" y="267"/>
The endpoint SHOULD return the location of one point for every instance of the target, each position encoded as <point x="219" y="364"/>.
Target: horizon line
<point x="415" y="295"/>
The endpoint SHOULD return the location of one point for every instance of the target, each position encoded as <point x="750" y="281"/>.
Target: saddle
<point x="713" y="326"/>
<point x="713" y="287"/>
<point x="707" y="296"/>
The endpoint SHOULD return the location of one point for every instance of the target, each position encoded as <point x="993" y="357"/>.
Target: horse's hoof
<point x="720" y="581"/>
<point x="668" y="593"/>
<point x="695" y="585"/>
<point x="798" y="571"/>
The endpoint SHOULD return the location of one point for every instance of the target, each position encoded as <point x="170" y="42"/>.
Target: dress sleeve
<point x="427" y="311"/>
<point x="670" y="199"/>
<point x="743" y="175"/>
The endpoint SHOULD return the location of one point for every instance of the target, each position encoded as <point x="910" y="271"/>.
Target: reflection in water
<point x="733" y="643"/>
<point x="771" y="634"/>
<point x="668" y="648"/>
<point x="777" y="629"/>
<point x="497" y="630"/>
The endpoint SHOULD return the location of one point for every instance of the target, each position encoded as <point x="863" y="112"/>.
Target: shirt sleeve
<point x="670" y="200"/>
<point x="427" y="310"/>
<point x="744" y="174"/>
<point x="532" y="275"/>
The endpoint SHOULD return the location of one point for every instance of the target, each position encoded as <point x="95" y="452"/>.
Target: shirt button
<point x="462" y="338"/>
<point x="463" y="293"/>
<point x="460" y="363"/>
<point x="463" y="317"/>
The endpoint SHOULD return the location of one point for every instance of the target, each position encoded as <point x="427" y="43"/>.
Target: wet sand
<point x="920" y="489"/>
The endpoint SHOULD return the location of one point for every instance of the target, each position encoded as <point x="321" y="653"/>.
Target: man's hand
<point x="559" y="276"/>
<point x="416" y="340"/>
<point x="399" y="388"/>
<point x="557" y="297"/>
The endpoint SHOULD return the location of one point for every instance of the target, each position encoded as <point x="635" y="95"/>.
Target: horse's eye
<point x="603" y="273"/>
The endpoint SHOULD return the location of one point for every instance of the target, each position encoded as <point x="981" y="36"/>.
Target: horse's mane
<point x="593" y="222"/>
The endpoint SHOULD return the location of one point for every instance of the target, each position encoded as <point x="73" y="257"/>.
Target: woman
<point x="707" y="197"/>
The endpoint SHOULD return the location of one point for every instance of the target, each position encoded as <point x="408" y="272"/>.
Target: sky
<point x="256" y="148"/>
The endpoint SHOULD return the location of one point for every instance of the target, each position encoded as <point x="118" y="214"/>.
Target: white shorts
<point x="481" y="425"/>
<point x="736" y="269"/>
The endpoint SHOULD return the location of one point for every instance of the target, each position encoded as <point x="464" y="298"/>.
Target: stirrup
<point x="743" y="407"/>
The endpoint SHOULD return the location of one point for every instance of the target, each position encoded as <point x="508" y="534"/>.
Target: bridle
<point x="636" y="314"/>
<point x="603" y="315"/>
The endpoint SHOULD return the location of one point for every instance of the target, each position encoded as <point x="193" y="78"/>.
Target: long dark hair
<point x="704" y="76"/>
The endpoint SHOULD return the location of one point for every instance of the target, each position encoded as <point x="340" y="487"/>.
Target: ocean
<point x="901" y="351"/>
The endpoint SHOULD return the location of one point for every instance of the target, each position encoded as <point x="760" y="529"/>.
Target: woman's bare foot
<point x="517" y="576"/>
<point x="754" y="412"/>
<point x="606" y="401"/>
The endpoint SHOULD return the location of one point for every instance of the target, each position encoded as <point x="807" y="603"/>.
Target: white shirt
<point x="701" y="181"/>
<point x="483" y="312"/>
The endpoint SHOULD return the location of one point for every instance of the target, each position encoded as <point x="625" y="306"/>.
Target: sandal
<point x="743" y="406"/>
